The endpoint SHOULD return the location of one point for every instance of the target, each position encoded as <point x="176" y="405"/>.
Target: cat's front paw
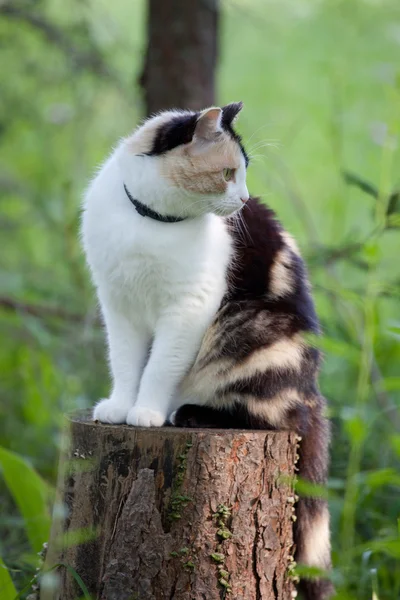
<point x="110" y="410"/>
<point x="141" y="416"/>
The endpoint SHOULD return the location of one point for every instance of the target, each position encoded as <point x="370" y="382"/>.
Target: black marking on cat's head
<point x="177" y="131"/>
<point x="229" y="114"/>
<point x="180" y="130"/>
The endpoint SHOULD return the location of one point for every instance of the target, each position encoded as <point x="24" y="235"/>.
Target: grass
<point x="320" y="83"/>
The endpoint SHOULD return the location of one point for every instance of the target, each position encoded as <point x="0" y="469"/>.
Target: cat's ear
<point x="208" y="124"/>
<point x="230" y="113"/>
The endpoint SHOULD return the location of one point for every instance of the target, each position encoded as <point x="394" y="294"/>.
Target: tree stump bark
<point x="174" y="514"/>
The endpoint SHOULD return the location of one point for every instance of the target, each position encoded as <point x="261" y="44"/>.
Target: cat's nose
<point x="244" y="199"/>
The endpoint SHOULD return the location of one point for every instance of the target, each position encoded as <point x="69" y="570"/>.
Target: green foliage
<point x="320" y="83"/>
<point x="30" y="493"/>
<point x="7" y="589"/>
<point x="78" y="579"/>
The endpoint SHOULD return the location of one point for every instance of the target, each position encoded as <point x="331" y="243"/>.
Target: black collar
<point x="145" y="211"/>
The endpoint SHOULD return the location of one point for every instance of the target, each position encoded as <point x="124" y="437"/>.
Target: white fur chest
<point x="152" y="269"/>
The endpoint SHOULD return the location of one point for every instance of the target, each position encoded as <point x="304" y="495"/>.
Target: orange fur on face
<point x="198" y="167"/>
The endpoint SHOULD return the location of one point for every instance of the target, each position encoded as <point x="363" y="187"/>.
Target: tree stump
<point x="177" y="514"/>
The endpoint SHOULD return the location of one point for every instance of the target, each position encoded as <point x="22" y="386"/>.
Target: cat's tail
<point x="312" y="535"/>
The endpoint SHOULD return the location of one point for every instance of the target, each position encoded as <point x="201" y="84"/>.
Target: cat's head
<point x="188" y="163"/>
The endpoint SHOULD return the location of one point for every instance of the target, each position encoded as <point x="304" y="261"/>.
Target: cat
<point x="206" y="300"/>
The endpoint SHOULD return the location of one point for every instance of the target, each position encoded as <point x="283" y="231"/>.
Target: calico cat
<point x="206" y="300"/>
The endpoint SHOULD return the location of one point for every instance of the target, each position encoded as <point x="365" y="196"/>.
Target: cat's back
<point x="259" y="240"/>
<point x="268" y="272"/>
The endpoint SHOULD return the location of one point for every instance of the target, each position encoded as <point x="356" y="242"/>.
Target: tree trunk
<point x="174" y="514"/>
<point x="180" y="61"/>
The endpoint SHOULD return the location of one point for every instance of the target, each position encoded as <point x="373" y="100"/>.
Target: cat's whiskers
<point x="256" y="157"/>
<point x="264" y="144"/>
<point x="257" y="131"/>
<point x="243" y="222"/>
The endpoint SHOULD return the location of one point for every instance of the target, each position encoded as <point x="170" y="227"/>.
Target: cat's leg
<point x="128" y="346"/>
<point x="174" y="349"/>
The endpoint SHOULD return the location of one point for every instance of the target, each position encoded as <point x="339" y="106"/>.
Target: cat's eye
<point x="228" y="174"/>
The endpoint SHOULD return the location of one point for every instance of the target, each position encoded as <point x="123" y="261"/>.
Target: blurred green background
<point x="320" y="80"/>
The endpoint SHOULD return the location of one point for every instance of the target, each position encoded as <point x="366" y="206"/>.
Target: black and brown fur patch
<point x="255" y="354"/>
